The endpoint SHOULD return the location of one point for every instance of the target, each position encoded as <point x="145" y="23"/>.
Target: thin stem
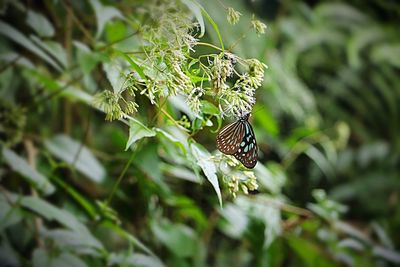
<point x="83" y="139"/>
<point x="119" y="40"/>
<point x="288" y="208"/>
<point x="238" y="40"/>
<point x="78" y="22"/>
<point x="121" y="176"/>
<point x="55" y="93"/>
<point x="302" y="146"/>
<point x="172" y="119"/>
<point x="210" y="45"/>
<point x="32" y="152"/>
<point x="134" y="52"/>
<point x="222" y="4"/>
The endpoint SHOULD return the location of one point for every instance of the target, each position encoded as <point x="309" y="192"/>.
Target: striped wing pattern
<point x="247" y="153"/>
<point x="228" y="139"/>
<point x="238" y="139"/>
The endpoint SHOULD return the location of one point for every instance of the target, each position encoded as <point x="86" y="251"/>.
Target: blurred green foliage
<point x="150" y="189"/>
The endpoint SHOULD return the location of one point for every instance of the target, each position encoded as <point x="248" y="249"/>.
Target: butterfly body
<point x="238" y="139"/>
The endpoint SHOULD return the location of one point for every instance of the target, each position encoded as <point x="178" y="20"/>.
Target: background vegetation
<point x="109" y="112"/>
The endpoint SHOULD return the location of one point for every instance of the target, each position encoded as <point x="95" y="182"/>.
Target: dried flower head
<point x="114" y="105"/>
<point x="233" y="16"/>
<point x="222" y="68"/>
<point x="258" y="26"/>
<point x="193" y="99"/>
<point x="256" y="72"/>
<point x="233" y="184"/>
<point x="235" y="178"/>
<point x="251" y="181"/>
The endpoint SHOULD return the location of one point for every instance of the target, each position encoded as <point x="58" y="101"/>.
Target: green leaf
<point x="182" y="144"/>
<point x="341" y="13"/>
<point x="8" y="254"/>
<point x="15" y="35"/>
<point x="115" y="31"/>
<point x="382" y="235"/>
<point x="53" y="48"/>
<point x="133" y="64"/>
<point x="272" y="178"/>
<point x="9" y="215"/>
<point x="42" y="258"/>
<point x="103" y="15"/>
<point x="22" y="167"/>
<point x="310" y="253"/>
<point x="134" y="259"/>
<point x="261" y="207"/>
<point x="384" y="53"/>
<point x="60" y="88"/>
<point x="195" y="78"/>
<point x="128" y="236"/>
<point x="17" y="58"/>
<point x="205" y="162"/>
<point x="321" y="161"/>
<point x="387" y="254"/>
<point x="50" y="212"/>
<point x="361" y="40"/>
<point x="180" y="172"/>
<point x="69" y="240"/>
<point x="236" y="220"/>
<point x="214" y="25"/>
<point x="267" y="121"/>
<point x="137" y="131"/>
<point x="40" y="24"/>
<point x="148" y="161"/>
<point x="63" y="217"/>
<point x="178" y="238"/>
<point x="196" y="10"/>
<point x="115" y="75"/>
<point x="326" y="208"/>
<point x="78" y="197"/>
<point x="86" y="58"/>
<point x="75" y="93"/>
<point x="67" y="260"/>
<point x="76" y="155"/>
<point x="180" y="103"/>
<point x="209" y="108"/>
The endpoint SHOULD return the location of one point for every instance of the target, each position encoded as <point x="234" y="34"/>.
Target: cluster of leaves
<point x="149" y="55"/>
<point x="345" y="67"/>
<point x="345" y="62"/>
<point x="326" y="118"/>
<point x="71" y="195"/>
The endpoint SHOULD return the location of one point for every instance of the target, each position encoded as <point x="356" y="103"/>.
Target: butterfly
<point x="238" y="139"/>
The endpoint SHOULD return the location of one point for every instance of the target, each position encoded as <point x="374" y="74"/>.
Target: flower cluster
<point x="193" y="99"/>
<point x="245" y="181"/>
<point x="170" y="68"/>
<point x="114" y="104"/>
<point x="223" y="67"/>
<point x="237" y="99"/>
<point x="256" y="72"/>
<point x="166" y="64"/>
<point x="179" y="82"/>
<point x="233" y="16"/>
<point x="234" y="177"/>
<point x="258" y="26"/>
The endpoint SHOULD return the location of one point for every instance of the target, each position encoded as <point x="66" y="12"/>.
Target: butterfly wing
<point x="229" y="138"/>
<point x="247" y="152"/>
